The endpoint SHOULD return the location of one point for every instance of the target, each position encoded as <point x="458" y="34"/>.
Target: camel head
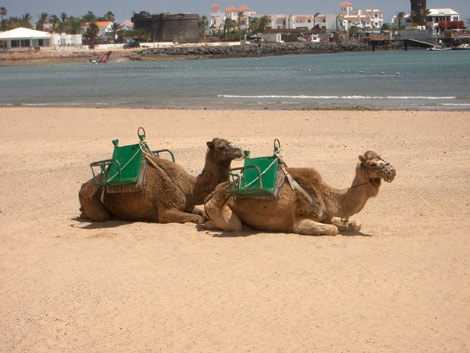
<point x="375" y="168"/>
<point x="222" y="150"/>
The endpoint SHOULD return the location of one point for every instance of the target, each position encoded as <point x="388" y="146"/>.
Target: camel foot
<point x="177" y="216"/>
<point x="309" y="227"/>
<point x="346" y="225"/>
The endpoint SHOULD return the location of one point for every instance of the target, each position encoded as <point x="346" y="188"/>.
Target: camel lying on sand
<point x="170" y="193"/>
<point x="324" y="210"/>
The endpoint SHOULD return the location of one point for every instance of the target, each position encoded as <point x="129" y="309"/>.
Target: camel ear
<point x="210" y="144"/>
<point x="362" y="158"/>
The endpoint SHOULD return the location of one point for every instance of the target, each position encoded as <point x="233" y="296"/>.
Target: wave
<point x="338" y="97"/>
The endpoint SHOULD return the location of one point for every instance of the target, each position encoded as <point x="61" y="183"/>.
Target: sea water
<point x="414" y="79"/>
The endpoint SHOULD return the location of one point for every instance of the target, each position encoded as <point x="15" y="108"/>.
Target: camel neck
<point x="213" y="174"/>
<point x="347" y="202"/>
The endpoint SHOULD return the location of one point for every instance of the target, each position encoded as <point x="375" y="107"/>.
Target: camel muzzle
<point x="388" y="173"/>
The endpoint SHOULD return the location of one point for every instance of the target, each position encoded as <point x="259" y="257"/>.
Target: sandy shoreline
<point x="68" y="285"/>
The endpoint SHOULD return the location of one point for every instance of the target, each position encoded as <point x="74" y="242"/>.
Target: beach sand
<point x="401" y="285"/>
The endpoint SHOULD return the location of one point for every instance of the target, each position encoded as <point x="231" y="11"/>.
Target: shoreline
<point x="51" y="57"/>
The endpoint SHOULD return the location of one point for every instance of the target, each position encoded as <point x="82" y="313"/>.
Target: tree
<point x="109" y="16"/>
<point x="89" y="17"/>
<point x="354" y="32"/>
<point x="263" y="23"/>
<point x="91" y="34"/>
<point x="229" y="25"/>
<point x="203" y="23"/>
<point x="26" y="21"/>
<point x="74" y="25"/>
<point x="64" y="17"/>
<point x="400" y="17"/>
<point x="116" y="30"/>
<point x="42" y="20"/>
<point x="254" y="25"/>
<point x="54" y="21"/>
<point x="3" y="12"/>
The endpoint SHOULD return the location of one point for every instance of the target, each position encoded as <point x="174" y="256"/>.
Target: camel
<point x="323" y="211"/>
<point x="170" y="193"/>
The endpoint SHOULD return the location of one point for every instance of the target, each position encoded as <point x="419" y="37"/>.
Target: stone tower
<point x="165" y="27"/>
<point x="418" y="12"/>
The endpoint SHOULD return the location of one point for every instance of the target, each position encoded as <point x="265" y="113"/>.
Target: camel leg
<point x="177" y="216"/>
<point x="308" y="227"/>
<point x="221" y="216"/>
<point x="346" y="226"/>
<point x="90" y="203"/>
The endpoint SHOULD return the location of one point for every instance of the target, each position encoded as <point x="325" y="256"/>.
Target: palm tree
<point x="42" y="21"/>
<point x="263" y="23"/>
<point x="109" y="16"/>
<point x="74" y="25"/>
<point x="254" y="25"/>
<point x="400" y="17"/>
<point x="54" y="21"/>
<point x="229" y="25"/>
<point x="64" y="17"/>
<point x="203" y="23"/>
<point x="89" y="17"/>
<point x="116" y="30"/>
<point x="354" y="32"/>
<point x="3" y="12"/>
<point x="91" y="34"/>
<point x="26" y="21"/>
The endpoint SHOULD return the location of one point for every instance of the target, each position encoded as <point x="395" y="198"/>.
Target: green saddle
<point x="257" y="178"/>
<point x="125" y="170"/>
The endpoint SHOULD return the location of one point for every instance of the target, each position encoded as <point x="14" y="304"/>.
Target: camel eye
<point x="221" y="147"/>
<point x="372" y="164"/>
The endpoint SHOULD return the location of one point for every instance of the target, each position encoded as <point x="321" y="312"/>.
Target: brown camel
<point x="170" y="193"/>
<point x="327" y="211"/>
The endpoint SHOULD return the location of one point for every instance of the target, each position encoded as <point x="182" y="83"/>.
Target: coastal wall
<point x="187" y="52"/>
<point x="251" y="50"/>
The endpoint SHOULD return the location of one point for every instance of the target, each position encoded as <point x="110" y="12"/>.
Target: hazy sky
<point x="123" y="9"/>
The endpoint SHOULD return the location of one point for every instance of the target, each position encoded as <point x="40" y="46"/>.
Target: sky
<point x="124" y="9"/>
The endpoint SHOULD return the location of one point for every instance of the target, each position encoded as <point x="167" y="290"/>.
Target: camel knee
<point x="90" y="204"/>
<point x="309" y="227"/>
<point x="222" y="217"/>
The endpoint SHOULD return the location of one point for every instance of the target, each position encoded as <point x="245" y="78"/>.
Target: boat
<point x="104" y="59"/>
<point x="464" y="46"/>
<point x="439" y="48"/>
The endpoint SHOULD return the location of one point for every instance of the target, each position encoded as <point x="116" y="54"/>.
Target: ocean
<point x="414" y="79"/>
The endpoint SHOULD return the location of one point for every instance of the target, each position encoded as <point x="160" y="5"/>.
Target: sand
<point x="401" y="285"/>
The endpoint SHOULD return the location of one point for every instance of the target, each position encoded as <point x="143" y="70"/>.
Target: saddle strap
<point x="295" y="186"/>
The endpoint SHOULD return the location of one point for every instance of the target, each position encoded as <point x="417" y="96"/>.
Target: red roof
<point x="346" y="4"/>
<point x="243" y="8"/>
<point x="99" y="23"/>
<point x="215" y="6"/>
<point x="231" y="9"/>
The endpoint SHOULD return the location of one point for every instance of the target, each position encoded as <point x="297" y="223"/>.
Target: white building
<point x="439" y="15"/>
<point x="25" y="38"/>
<point x="104" y="27"/>
<point x="432" y="19"/>
<point x="350" y="17"/>
<point x="241" y="16"/>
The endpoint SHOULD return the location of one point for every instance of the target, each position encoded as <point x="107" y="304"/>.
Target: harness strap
<point x="295" y="186"/>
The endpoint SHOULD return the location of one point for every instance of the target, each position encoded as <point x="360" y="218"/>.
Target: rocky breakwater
<point x="247" y="50"/>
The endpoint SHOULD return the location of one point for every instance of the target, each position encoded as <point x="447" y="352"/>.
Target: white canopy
<point x="24" y="33"/>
